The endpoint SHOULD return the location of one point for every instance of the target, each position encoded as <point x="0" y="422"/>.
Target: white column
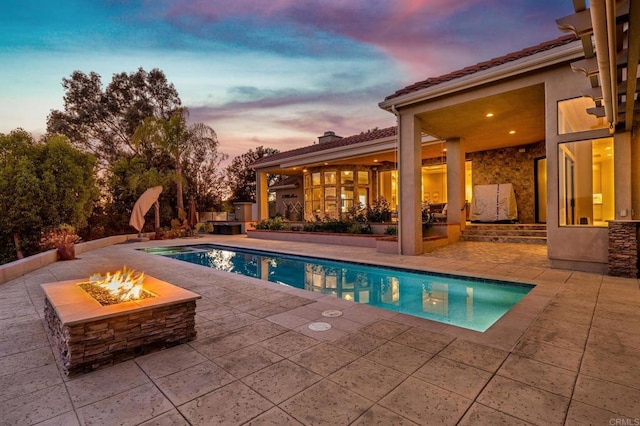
<point x="455" y="182"/>
<point x="262" y="198"/>
<point x="409" y="185"/>
<point x="622" y="169"/>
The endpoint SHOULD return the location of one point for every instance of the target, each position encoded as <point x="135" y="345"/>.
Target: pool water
<point x="461" y="301"/>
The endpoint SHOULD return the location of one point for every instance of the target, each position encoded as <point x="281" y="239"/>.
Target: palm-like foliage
<point x="180" y="140"/>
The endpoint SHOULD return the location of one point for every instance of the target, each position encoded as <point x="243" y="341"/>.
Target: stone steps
<point x="506" y="233"/>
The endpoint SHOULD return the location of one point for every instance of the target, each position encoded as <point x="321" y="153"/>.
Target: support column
<point x="262" y="196"/>
<point x="635" y="175"/>
<point x="622" y="170"/>
<point x="409" y="185"/>
<point x="456" y="214"/>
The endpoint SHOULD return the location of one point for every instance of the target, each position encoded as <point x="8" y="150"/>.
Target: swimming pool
<point x="461" y="301"/>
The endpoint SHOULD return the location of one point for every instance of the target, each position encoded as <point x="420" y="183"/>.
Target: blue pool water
<point x="464" y="302"/>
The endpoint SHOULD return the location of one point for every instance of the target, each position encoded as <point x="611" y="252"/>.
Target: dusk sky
<point x="276" y="73"/>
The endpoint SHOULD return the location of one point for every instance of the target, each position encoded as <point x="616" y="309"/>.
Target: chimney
<point x="328" y="137"/>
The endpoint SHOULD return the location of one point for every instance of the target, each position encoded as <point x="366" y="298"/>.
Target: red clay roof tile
<point x="481" y="66"/>
<point x="351" y="140"/>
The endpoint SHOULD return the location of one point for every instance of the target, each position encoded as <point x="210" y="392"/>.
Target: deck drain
<point x="319" y="326"/>
<point x="332" y="313"/>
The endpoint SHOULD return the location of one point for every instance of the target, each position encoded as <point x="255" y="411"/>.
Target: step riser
<point x="506" y="233"/>
<point x="509" y="227"/>
<point x="504" y="239"/>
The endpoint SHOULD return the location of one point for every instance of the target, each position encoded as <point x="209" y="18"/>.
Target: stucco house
<point x="552" y="120"/>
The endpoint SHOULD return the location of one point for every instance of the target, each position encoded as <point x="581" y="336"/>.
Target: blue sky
<point x="271" y="72"/>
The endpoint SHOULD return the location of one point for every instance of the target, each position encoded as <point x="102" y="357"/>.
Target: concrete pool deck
<point x="566" y="354"/>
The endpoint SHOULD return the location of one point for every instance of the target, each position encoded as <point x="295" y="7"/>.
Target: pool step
<point x="506" y="233"/>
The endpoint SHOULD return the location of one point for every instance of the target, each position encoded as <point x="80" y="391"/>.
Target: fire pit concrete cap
<point x="74" y="305"/>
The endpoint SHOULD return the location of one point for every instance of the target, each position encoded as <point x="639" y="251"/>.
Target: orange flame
<point x="125" y="285"/>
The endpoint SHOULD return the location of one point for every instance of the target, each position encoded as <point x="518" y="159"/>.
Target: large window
<point x="586" y="176"/>
<point x="333" y="192"/>
<point x="388" y="187"/>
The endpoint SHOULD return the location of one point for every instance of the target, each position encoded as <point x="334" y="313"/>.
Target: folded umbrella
<point x="143" y="205"/>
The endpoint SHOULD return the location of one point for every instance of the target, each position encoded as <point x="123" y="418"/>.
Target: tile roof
<point x="350" y="140"/>
<point x="481" y="66"/>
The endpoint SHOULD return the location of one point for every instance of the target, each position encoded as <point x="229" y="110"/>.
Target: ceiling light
<point x="489" y="115"/>
<point x="375" y="161"/>
<point x="444" y="150"/>
<point x="512" y="132"/>
<point x="326" y="164"/>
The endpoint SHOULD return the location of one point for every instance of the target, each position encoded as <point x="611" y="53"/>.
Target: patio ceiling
<point x="519" y="111"/>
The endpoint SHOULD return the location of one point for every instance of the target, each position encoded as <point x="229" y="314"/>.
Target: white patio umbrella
<point x="143" y="205"/>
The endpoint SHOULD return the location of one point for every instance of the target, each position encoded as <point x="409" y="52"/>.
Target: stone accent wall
<point x="94" y="344"/>
<point x="623" y="248"/>
<point x="509" y="165"/>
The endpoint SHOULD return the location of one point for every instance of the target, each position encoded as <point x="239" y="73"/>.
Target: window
<point x="346" y="197"/>
<point x="308" y="204"/>
<point x="315" y="179"/>
<point x="363" y="178"/>
<point x="330" y="201"/>
<point x="346" y="177"/>
<point x="329" y="178"/>
<point x="388" y="187"/>
<point x="363" y="198"/>
<point x="586" y="178"/>
<point x="573" y="116"/>
<point x="317" y="200"/>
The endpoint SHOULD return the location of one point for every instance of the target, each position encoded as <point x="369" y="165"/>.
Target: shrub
<point x="61" y="236"/>
<point x="275" y="224"/>
<point x="379" y="211"/>
<point x="391" y="230"/>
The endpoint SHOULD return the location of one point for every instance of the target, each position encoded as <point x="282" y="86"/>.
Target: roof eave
<point x="534" y="62"/>
<point x="279" y="187"/>
<point x="362" y="148"/>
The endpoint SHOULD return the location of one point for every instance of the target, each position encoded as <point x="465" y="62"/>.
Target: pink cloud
<point x="427" y="37"/>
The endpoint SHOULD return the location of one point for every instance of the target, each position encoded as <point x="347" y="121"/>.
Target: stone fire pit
<point x="90" y="336"/>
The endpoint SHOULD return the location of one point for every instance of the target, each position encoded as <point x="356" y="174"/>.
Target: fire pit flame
<point x="121" y="286"/>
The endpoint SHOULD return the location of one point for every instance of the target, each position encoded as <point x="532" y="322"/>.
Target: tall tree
<point x="42" y="184"/>
<point x="241" y="178"/>
<point x="184" y="142"/>
<point x="101" y="120"/>
<point x="202" y="168"/>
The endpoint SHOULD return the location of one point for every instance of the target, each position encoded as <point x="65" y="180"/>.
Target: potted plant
<point x="63" y="239"/>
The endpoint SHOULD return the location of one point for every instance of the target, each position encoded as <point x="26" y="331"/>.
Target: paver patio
<point x="566" y="354"/>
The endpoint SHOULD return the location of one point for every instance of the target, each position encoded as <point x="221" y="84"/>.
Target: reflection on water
<point x="470" y="304"/>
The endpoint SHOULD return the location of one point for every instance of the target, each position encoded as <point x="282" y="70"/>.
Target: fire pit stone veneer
<point x="90" y="336"/>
